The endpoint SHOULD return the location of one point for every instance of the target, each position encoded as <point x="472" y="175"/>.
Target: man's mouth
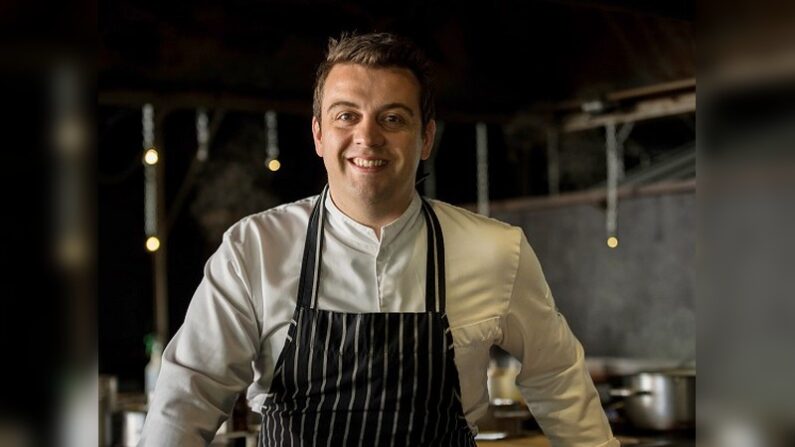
<point x="367" y="162"/>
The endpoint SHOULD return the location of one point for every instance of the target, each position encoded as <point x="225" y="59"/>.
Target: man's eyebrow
<point x="398" y="105"/>
<point x="342" y="103"/>
<point x="392" y="105"/>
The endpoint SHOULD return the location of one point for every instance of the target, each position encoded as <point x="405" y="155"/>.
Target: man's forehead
<point x="358" y="85"/>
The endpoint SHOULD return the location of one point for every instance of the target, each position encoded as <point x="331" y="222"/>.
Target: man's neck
<point x="371" y="215"/>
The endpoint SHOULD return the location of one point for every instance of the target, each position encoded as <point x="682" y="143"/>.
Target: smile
<point x="367" y="163"/>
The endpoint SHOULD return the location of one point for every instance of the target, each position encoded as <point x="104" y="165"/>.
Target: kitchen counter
<point x="539" y="440"/>
<point x="531" y="440"/>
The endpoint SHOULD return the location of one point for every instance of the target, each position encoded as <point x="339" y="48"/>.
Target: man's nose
<point x="368" y="133"/>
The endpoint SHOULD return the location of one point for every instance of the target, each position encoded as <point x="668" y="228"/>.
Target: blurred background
<point x="574" y="119"/>
<point x="540" y="79"/>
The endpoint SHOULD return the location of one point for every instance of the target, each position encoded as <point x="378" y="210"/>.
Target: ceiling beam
<point x="639" y="111"/>
<point x="198" y="99"/>
<point x="595" y="196"/>
<point x="678" y="10"/>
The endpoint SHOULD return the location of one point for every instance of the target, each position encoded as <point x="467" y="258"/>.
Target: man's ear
<point x="427" y="139"/>
<point x="317" y="137"/>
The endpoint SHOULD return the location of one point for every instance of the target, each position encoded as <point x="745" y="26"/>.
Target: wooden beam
<point x="635" y="93"/>
<point x="642" y="110"/>
<point x="590" y="197"/>
<point x="665" y="88"/>
<point x="195" y="100"/>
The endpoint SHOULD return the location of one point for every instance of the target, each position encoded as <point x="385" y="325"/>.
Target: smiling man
<point x="365" y="315"/>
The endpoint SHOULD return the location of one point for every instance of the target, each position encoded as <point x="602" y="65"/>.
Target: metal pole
<point x="160" y="264"/>
<point x="611" y="216"/>
<point x="483" y="169"/>
<point x="430" y="164"/>
<point x="155" y="214"/>
<point x="553" y="161"/>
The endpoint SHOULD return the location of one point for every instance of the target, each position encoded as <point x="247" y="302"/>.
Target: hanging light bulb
<point x="202" y="135"/>
<point x="152" y="244"/>
<point x="274" y="165"/>
<point x="611" y="215"/>
<point x="272" y="149"/>
<point x="151" y="157"/>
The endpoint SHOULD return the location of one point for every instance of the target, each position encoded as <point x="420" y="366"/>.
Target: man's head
<point x="377" y="50"/>
<point x="373" y="123"/>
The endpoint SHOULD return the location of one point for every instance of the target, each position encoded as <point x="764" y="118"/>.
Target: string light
<point x="151" y="157"/>
<point x="612" y="242"/>
<point x="272" y="149"/>
<point x="153" y="244"/>
<point x="202" y="135"/>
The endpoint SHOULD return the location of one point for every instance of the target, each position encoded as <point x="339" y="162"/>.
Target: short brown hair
<point x="377" y="50"/>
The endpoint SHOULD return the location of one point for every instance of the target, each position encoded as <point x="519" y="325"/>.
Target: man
<point x="365" y="315"/>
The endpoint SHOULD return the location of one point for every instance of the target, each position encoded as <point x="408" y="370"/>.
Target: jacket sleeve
<point x="209" y="360"/>
<point x="553" y="379"/>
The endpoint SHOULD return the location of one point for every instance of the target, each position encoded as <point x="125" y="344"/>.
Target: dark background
<point x="497" y="62"/>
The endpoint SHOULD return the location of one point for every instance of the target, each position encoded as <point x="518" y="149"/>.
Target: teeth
<point x="368" y="163"/>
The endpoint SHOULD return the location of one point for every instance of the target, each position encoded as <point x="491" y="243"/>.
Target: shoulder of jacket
<point x="484" y="235"/>
<point x="282" y="216"/>
<point x="456" y="215"/>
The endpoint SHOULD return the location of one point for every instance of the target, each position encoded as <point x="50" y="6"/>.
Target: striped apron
<point x="366" y="379"/>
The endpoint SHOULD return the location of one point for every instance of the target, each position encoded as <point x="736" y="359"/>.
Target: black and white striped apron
<point x="366" y="379"/>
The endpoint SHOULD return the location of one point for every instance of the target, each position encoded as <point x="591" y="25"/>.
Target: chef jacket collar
<point x="362" y="236"/>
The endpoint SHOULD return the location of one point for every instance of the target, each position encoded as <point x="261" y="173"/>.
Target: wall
<point x="637" y="300"/>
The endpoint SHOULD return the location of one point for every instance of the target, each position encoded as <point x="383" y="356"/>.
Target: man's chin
<point x="369" y="195"/>
<point x="369" y="192"/>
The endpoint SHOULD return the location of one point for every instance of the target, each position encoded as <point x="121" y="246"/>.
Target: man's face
<point x="371" y="137"/>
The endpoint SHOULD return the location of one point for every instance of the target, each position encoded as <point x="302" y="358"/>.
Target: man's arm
<point x="209" y="360"/>
<point x="553" y="380"/>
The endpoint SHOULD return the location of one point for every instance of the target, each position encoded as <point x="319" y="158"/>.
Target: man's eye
<point x="345" y="116"/>
<point x="394" y="119"/>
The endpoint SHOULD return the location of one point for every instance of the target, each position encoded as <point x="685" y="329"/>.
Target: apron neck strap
<point x="434" y="265"/>
<point x="310" y="265"/>
<point x="313" y="248"/>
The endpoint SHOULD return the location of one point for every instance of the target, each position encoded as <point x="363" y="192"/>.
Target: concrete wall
<point x="637" y="300"/>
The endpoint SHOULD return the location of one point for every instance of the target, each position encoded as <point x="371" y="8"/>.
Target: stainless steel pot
<point x="129" y="424"/>
<point x="507" y="411"/>
<point x="501" y="384"/>
<point x="108" y="394"/>
<point x="659" y="400"/>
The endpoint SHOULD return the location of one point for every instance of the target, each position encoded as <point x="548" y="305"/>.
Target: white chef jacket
<point x="237" y="321"/>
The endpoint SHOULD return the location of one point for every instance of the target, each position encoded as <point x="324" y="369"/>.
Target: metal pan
<point x="659" y="400"/>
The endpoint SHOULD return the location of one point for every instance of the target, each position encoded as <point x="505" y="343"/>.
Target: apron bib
<point x="366" y="379"/>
